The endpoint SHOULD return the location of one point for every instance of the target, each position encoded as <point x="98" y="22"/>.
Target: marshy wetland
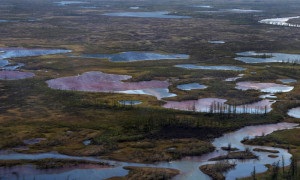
<point x="150" y="89"/>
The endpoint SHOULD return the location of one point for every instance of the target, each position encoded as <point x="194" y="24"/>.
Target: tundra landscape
<point x="150" y="89"/>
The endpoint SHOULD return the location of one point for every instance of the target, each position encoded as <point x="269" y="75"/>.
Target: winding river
<point x="188" y="166"/>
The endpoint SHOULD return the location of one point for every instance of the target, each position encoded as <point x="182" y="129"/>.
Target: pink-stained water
<point x="216" y="105"/>
<point x="14" y="75"/>
<point x="264" y="87"/>
<point x="97" y="81"/>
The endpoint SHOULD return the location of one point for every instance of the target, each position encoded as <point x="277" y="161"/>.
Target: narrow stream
<point x="188" y="166"/>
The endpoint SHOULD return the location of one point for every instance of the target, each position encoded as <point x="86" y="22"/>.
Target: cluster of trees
<point x="281" y="174"/>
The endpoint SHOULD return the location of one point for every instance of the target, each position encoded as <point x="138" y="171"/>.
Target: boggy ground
<point x="29" y="109"/>
<point x="140" y="173"/>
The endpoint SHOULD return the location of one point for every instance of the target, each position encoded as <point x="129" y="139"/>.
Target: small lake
<point x="64" y="3"/>
<point x="87" y="142"/>
<point x="224" y="68"/>
<point x="264" y="87"/>
<point x="280" y="21"/>
<point x="234" y="78"/>
<point x="287" y="81"/>
<point x="295" y="112"/>
<point x="216" y="42"/>
<point x="216" y="105"/>
<point x="201" y="6"/>
<point x="270" y="57"/>
<point x="191" y="86"/>
<point x="129" y="103"/>
<point x="156" y="14"/>
<point x="134" y="7"/>
<point x="135" y="56"/>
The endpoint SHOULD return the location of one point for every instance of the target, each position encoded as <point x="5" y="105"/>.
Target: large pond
<point x="224" y="68"/>
<point x="156" y="14"/>
<point x="249" y="57"/>
<point x="191" y="86"/>
<point x="135" y="56"/>
<point x="189" y="166"/>
<point x="280" y="21"/>
<point x="101" y="82"/>
<point x="295" y="112"/>
<point x="216" y="105"/>
<point x="264" y="87"/>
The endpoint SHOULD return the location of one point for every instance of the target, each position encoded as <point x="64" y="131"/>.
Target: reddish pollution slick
<point x="97" y="81"/>
<point x="14" y="75"/>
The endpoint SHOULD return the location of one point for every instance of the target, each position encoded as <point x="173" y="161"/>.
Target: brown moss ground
<point x="147" y="173"/>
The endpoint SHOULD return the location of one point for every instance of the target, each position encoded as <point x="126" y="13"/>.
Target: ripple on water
<point x="295" y="112"/>
<point x="101" y="82"/>
<point x="264" y="87"/>
<point x="135" y="56"/>
<point x="156" y="14"/>
<point x="224" y="68"/>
